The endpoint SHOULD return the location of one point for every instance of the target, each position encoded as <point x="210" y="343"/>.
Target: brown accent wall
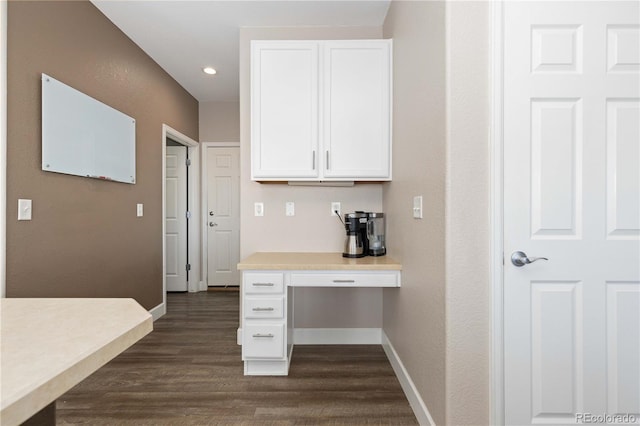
<point x="85" y="239"/>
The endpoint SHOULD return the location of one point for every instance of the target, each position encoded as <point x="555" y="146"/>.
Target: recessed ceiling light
<point x="209" y="70"/>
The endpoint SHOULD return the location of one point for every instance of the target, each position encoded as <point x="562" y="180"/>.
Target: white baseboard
<point x="337" y="336"/>
<point x="411" y="392"/>
<point x="158" y="311"/>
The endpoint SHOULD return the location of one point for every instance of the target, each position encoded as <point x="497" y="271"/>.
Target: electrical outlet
<point x="258" y="209"/>
<point x="290" y="208"/>
<point x="335" y="206"/>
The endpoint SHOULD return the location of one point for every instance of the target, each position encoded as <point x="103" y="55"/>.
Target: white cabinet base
<point x="268" y="368"/>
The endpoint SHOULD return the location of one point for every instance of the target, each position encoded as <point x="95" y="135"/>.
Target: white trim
<point x="418" y="406"/>
<point x="193" y="206"/>
<point x="496" y="412"/>
<point x="203" y="211"/>
<point x="158" y="311"/>
<point x="337" y="336"/>
<point x="3" y="147"/>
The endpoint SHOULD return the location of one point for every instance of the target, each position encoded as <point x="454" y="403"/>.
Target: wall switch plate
<point x="24" y="209"/>
<point x="258" y="209"/>
<point x="139" y="210"/>
<point x="335" y="206"/>
<point x="417" y="207"/>
<point x="290" y="208"/>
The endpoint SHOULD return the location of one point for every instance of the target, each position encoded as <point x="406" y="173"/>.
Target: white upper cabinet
<point x="284" y="110"/>
<point x="321" y="110"/>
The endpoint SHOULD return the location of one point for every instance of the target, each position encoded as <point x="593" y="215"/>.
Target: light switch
<point x="139" y="210"/>
<point x="417" y="207"/>
<point x="24" y="209"/>
<point x="290" y="208"/>
<point x="258" y="209"/>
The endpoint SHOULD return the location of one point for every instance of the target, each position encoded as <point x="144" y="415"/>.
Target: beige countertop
<point x="316" y="262"/>
<point x="50" y="345"/>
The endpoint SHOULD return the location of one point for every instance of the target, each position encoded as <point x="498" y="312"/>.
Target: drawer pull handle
<point x="257" y="335"/>
<point x="262" y="309"/>
<point x="344" y="281"/>
<point x="263" y="284"/>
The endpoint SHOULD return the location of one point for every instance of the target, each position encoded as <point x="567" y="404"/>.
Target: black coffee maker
<point x="356" y="243"/>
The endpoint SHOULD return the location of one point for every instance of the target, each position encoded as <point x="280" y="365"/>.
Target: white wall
<point x="468" y="220"/>
<point x="439" y="321"/>
<point x="414" y="315"/>
<point x="219" y="121"/>
<point x="312" y="229"/>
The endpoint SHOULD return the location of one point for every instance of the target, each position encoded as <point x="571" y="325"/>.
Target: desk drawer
<point x="257" y="307"/>
<point x="263" y="341"/>
<point x="263" y="283"/>
<point x="351" y="279"/>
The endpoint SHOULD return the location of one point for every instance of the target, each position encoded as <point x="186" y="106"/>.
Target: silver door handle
<point x="212" y="224"/>
<point x="344" y="281"/>
<point x="262" y="309"/>
<point x="257" y="335"/>
<point x="519" y="259"/>
<point x="263" y="284"/>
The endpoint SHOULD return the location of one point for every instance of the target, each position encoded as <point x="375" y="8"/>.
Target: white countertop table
<point x="47" y="346"/>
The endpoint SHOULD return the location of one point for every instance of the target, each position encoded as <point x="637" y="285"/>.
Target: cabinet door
<point x="357" y="112"/>
<point x="284" y="110"/>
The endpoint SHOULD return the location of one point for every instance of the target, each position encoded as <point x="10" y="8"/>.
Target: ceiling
<point x="185" y="36"/>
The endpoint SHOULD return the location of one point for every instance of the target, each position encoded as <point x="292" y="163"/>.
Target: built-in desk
<point x="268" y="304"/>
<point x="50" y="345"/>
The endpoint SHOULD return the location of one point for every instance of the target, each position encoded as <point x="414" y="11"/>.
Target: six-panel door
<point x="572" y="195"/>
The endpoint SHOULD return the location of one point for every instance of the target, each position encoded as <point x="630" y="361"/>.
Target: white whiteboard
<point x="82" y="136"/>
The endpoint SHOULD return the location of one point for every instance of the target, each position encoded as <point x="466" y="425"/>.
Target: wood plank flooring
<point x="188" y="372"/>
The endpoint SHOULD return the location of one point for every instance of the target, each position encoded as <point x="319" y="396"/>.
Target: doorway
<point x="194" y="239"/>
<point x="221" y="190"/>
<point x="176" y="216"/>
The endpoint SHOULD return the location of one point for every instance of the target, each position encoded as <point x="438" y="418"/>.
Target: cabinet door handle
<point x="262" y="309"/>
<point x="313" y="160"/>
<point x="344" y="281"/>
<point x="258" y="335"/>
<point x="328" y="160"/>
<point x="263" y="284"/>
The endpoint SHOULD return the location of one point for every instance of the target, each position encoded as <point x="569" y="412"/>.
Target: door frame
<point x="203" y="212"/>
<point x="3" y="146"/>
<point x="496" y="85"/>
<point x="193" y="203"/>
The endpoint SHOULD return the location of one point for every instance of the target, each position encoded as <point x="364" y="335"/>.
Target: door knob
<point x="519" y="259"/>
<point x="212" y="224"/>
<point x="210" y="213"/>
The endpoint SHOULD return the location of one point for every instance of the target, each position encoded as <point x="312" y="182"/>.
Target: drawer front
<point x="263" y="341"/>
<point x="337" y="279"/>
<point x="263" y="283"/>
<point x="263" y="307"/>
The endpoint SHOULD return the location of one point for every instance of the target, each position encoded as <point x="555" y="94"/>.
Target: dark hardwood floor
<point x="188" y="372"/>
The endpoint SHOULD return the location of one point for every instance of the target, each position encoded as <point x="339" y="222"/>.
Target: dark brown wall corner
<point x="85" y="239"/>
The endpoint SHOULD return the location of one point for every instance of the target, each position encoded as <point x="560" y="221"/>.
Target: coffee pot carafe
<point x="375" y="234"/>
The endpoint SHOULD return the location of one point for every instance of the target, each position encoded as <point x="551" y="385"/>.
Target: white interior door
<point x="572" y="195"/>
<point x="223" y="216"/>
<point x="176" y="218"/>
